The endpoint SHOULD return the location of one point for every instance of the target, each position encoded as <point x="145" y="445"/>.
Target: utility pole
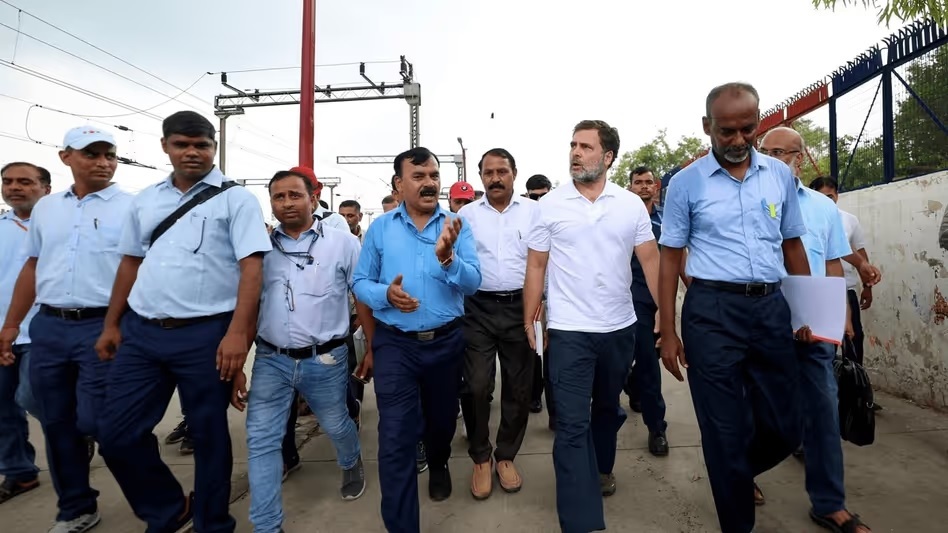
<point x="332" y="183"/>
<point x="222" y="142"/>
<point x="463" y="160"/>
<point x="308" y="84"/>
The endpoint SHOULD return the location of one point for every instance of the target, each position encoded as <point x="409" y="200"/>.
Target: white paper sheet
<point x="817" y="302"/>
<point x="538" y="335"/>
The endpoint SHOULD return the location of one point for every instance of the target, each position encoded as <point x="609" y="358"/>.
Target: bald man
<point x="825" y="242"/>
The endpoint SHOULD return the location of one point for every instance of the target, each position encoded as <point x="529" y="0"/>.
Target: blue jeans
<point x="822" y="447"/>
<point x="323" y="380"/>
<point x="584" y="368"/>
<point x="17" y="456"/>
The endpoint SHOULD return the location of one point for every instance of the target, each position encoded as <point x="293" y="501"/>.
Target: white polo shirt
<point x="590" y="246"/>
<point x="501" y="239"/>
<point x="856" y="241"/>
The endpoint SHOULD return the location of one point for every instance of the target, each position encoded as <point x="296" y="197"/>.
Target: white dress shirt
<point x="501" y="239"/>
<point x="590" y="246"/>
<point x="856" y="241"/>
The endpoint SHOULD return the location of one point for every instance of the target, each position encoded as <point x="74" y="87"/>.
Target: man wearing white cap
<point x="73" y="256"/>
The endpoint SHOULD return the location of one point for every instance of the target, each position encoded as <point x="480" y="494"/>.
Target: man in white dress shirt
<point x="501" y="221"/>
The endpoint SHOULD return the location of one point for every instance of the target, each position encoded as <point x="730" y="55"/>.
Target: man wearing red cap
<point x="334" y="220"/>
<point x="460" y="195"/>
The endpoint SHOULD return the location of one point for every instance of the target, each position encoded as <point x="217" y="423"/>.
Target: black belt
<point x="304" y="353"/>
<point x="175" y="323"/>
<point x="431" y="334"/>
<point x="747" y="289"/>
<point x="80" y="313"/>
<point x="501" y="296"/>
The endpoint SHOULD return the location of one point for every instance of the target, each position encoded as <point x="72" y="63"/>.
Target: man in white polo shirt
<point x="587" y="232"/>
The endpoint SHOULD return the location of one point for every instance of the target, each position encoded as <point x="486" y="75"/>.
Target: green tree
<point x="921" y="147"/>
<point x="903" y="10"/>
<point x="656" y="154"/>
<point x="816" y="140"/>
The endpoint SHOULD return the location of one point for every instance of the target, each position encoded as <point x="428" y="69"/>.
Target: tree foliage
<point x="902" y="10"/>
<point x="658" y="155"/>
<point x="921" y="146"/>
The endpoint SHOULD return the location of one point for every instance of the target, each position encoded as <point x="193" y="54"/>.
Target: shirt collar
<point x="402" y="212"/>
<point x="609" y="190"/>
<point x="514" y="200"/>
<point x="316" y="228"/>
<point x="106" y="193"/>
<point x="215" y="178"/>
<point x="710" y="165"/>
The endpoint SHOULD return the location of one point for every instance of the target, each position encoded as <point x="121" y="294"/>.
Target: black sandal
<point x="10" y="489"/>
<point x="849" y="526"/>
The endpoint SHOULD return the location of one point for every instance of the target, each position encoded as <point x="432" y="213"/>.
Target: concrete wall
<point x="906" y="330"/>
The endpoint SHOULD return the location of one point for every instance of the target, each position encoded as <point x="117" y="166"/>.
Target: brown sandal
<point x="758" y="496"/>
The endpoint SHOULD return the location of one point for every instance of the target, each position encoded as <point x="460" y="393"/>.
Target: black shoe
<point x="635" y="405"/>
<point x="536" y="407"/>
<point x="11" y="488"/>
<point x="90" y="444"/>
<point x="658" y="443"/>
<point x="187" y="446"/>
<point x="421" y="458"/>
<point x="178" y="433"/>
<point x="439" y="484"/>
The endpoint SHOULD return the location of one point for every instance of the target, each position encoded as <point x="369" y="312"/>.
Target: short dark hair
<point x="44" y="176"/>
<point x="324" y="204"/>
<point x="538" y="181"/>
<point x="824" y="182"/>
<point x="478" y="195"/>
<point x="732" y="87"/>
<point x="639" y="170"/>
<point x="388" y="199"/>
<point x="608" y="136"/>
<point x="498" y="152"/>
<point x="351" y="203"/>
<point x="394" y="189"/>
<point x="283" y="174"/>
<point x="417" y="156"/>
<point x="189" y="124"/>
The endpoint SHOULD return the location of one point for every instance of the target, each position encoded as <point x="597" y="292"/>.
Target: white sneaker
<point x="79" y="525"/>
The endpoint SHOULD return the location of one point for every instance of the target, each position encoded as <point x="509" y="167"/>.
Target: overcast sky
<point x="538" y="66"/>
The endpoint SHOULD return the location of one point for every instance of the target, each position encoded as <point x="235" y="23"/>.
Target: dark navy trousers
<point x="744" y="376"/>
<point x="416" y="382"/>
<point x="645" y="379"/>
<point x="150" y="363"/>
<point x="69" y="382"/>
<point x="584" y="367"/>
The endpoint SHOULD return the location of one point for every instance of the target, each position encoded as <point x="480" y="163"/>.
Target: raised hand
<point x="449" y="235"/>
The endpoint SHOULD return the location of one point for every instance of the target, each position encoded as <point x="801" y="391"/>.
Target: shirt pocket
<point x="188" y="233"/>
<point x="107" y="236"/>
<point x="770" y="215"/>
<point x="319" y="281"/>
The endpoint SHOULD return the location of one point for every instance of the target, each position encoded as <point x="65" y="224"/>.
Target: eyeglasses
<point x="288" y="293"/>
<point x="777" y="152"/>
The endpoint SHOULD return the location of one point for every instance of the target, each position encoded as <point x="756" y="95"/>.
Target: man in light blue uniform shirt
<point x="23" y="185"/>
<point x="417" y="264"/>
<point x="301" y="346"/>
<point x="73" y="257"/>
<point x="826" y="244"/>
<point x="192" y="296"/>
<point x="738" y="214"/>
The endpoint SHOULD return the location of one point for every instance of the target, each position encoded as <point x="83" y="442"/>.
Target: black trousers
<point x="854" y="351"/>
<point x="744" y="375"/>
<point x="493" y="328"/>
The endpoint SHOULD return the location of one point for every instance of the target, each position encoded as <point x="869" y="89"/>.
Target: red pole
<point x="308" y="83"/>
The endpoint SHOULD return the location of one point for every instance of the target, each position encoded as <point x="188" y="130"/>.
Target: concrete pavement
<point x="897" y="484"/>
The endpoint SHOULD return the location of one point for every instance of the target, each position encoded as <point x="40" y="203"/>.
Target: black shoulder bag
<point x="198" y="199"/>
<point x="857" y="417"/>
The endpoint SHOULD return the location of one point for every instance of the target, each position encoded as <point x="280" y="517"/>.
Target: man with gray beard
<point x="586" y="234"/>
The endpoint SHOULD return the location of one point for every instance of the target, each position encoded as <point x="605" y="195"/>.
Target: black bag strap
<point x="198" y="199"/>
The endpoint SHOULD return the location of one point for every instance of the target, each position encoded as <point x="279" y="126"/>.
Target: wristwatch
<point x="447" y="262"/>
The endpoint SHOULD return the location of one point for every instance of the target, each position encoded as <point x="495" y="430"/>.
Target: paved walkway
<point x="899" y="484"/>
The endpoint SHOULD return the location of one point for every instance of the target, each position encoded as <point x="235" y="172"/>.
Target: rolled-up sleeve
<point x="676" y="215"/>
<point x="365" y="281"/>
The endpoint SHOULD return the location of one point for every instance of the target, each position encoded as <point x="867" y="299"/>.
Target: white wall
<point x="906" y="333"/>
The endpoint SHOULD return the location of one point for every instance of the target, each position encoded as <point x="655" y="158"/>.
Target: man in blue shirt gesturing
<point x="417" y="264"/>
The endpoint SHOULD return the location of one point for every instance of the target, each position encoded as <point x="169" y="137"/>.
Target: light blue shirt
<point x="12" y="257"/>
<point x="76" y="245"/>
<point x="825" y="238"/>
<point x="307" y="303"/>
<point x="192" y="270"/>
<point x="733" y="229"/>
<point x="393" y="246"/>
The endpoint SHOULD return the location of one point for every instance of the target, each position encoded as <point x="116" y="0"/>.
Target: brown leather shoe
<point x="508" y="476"/>
<point x="482" y="480"/>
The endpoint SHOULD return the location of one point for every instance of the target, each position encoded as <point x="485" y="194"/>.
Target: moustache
<point x="428" y="192"/>
<point x="496" y="185"/>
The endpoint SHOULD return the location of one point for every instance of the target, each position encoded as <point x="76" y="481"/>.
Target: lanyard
<point x="19" y="224"/>
<point x="306" y="257"/>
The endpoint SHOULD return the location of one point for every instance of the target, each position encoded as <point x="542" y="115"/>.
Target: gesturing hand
<point x="400" y="299"/>
<point x="449" y="235"/>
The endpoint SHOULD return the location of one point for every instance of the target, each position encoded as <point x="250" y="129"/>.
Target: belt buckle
<point x="426" y="335"/>
<point x="755" y="289"/>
